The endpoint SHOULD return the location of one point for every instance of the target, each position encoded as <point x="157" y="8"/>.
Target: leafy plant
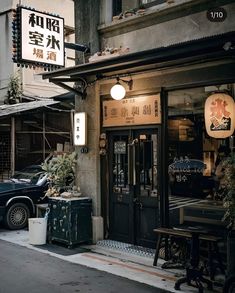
<point x="14" y="92"/>
<point x="141" y="6"/>
<point x="61" y="173"/>
<point x="229" y="191"/>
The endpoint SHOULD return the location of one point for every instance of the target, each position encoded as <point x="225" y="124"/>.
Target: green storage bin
<point x="70" y="220"/>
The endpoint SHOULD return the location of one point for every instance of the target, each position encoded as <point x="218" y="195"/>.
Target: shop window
<point x="117" y="7"/>
<point x="194" y="194"/>
<point x="148" y="3"/>
<point x="120" y="6"/>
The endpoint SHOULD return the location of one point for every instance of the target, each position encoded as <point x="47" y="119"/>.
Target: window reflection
<point x="119" y="165"/>
<point x="148" y="165"/>
<point x="193" y="184"/>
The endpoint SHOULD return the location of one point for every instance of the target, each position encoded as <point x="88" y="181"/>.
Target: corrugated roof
<point x="8" y="110"/>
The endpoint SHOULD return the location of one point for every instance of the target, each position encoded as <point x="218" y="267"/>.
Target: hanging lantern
<point x="219" y="115"/>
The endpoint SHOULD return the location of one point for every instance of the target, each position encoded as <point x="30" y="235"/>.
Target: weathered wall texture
<point x="160" y="33"/>
<point x="159" y="27"/>
<point x="88" y="175"/>
<point x="87" y="15"/>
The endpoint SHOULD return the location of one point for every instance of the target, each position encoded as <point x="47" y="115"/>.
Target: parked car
<point x="20" y="194"/>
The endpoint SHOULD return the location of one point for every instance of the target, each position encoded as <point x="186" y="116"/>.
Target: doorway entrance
<point x="133" y="186"/>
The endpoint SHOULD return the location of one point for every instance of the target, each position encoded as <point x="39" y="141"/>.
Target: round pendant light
<point x="118" y="91"/>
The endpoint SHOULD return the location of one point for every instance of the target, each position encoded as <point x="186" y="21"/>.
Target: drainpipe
<point x="13" y="142"/>
<point x="44" y="136"/>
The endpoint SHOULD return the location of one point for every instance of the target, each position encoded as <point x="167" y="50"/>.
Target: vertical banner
<point x="219" y="115"/>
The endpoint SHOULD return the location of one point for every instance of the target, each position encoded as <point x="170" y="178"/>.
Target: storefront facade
<point x="135" y="144"/>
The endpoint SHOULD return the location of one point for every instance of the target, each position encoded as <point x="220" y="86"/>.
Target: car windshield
<point x="30" y="174"/>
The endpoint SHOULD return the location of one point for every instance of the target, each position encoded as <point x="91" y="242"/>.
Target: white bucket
<point x="37" y="231"/>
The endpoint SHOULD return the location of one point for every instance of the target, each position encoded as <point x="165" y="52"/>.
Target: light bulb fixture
<point x="118" y="91"/>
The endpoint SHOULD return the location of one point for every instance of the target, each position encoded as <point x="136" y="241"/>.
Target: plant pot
<point x="141" y="11"/>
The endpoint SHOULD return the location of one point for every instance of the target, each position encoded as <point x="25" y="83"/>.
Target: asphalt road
<point x="24" y="270"/>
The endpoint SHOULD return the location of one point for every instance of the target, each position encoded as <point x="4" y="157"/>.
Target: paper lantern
<point x="219" y="115"/>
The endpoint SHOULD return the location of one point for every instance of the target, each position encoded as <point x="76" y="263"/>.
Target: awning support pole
<point x="13" y="142"/>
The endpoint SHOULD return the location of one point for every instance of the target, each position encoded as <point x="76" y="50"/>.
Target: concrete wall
<point x="6" y="65"/>
<point x="162" y="25"/>
<point x="88" y="168"/>
<point x="87" y="17"/>
<point x="33" y="85"/>
<point x="165" y="26"/>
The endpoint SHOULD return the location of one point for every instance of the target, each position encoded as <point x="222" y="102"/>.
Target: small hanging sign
<point x="80" y="129"/>
<point x="219" y="115"/>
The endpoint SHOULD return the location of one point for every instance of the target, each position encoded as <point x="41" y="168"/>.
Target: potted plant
<point x="141" y="9"/>
<point x="14" y="91"/>
<point x="61" y="174"/>
<point x="229" y="217"/>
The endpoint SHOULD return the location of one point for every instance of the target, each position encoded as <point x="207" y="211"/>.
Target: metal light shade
<point x="118" y="91"/>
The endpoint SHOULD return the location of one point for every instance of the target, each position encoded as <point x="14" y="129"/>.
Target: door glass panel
<point x="147" y="163"/>
<point x="119" y="165"/>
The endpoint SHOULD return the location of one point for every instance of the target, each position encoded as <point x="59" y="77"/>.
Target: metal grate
<point x="5" y="150"/>
<point x="128" y="248"/>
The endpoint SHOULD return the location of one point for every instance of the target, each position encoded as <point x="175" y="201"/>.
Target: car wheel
<point x="17" y="216"/>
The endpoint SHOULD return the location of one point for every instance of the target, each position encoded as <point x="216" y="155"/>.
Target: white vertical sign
<point x="80" y="129"/>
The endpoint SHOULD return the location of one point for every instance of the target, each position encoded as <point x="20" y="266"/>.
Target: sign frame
<point x="140" y="110"/>
<point x="80" y="129"/>
<point x="48" y="46"/>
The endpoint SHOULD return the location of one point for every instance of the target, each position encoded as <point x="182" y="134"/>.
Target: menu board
<point x="120" y="147"/>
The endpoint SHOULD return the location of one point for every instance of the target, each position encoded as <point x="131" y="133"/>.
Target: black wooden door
<point x="133" y="182"/>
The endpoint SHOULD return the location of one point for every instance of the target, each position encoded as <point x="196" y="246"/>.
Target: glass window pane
<point x="194" y="185"/>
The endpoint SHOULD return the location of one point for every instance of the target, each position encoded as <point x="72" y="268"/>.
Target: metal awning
<point x="199" y="50"/>
<point x="10" y="110"/>
<point x="64" y="97"/>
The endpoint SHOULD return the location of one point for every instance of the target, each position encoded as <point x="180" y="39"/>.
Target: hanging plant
<point x="14" y="92"/>
<point x="229" y="191"/>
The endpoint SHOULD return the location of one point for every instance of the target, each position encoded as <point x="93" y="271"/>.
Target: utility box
<point x="70" y="220"/>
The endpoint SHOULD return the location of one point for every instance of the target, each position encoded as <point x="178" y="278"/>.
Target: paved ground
<point x="131" y="267"/>
<point x="24" y="270"/>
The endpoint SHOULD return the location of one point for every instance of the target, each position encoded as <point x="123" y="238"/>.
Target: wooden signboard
<point x="132" y="111"/>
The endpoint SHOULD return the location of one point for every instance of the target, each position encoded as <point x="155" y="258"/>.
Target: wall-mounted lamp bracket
<point x="128" y="82"/>
<point x="118" y="91"/>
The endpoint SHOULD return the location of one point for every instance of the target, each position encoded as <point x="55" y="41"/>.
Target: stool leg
<point x="157" y="249"/>
<point x="210" y="261"/>
<point x="208" y="282"/>
<point x="167" y="249"/>
<point x="179" y="282"/>
<point x="219" y="259"/>
<point x="199" y="286"/>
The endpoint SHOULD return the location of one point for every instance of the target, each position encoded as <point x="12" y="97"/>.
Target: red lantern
<point x="219" y="115"/>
